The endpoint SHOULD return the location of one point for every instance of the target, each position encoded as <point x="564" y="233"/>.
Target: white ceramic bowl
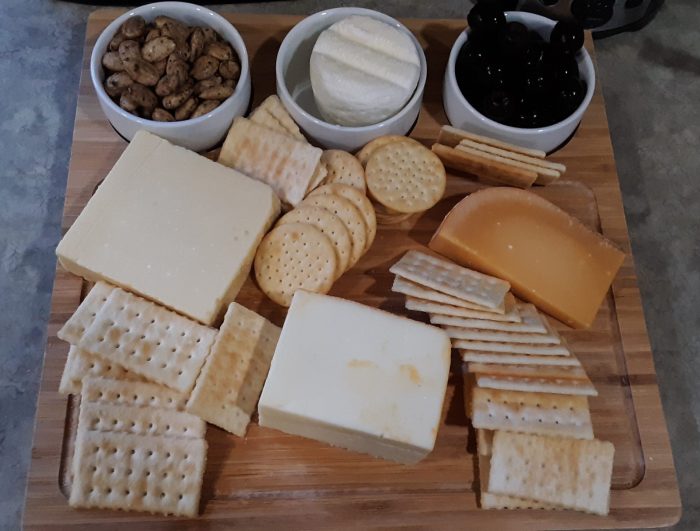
<point x="462" y="115"/>
<point x="200" y="133"/>
<point x="294" y="84"/>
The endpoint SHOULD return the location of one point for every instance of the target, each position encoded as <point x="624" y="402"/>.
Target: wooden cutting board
<point x="274" y="480"/>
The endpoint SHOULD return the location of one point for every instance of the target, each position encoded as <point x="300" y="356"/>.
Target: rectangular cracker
<point x="518" y="359"/>
<point x="84" y="315"/>
<point x="543" y="413"/>
<point x="132" y="393"/>
<point x="274" y="106"/>
<point x="550" y="337"/>
<point x="574" y="372"/>
<point x="489" y="500"/>
<point x="537" y="384"/>
<point x="287" y="165"/>
<point x="548" y="173"/>
<point x="318" y="177"/>
<point x="138" y="473"/>
<point x="486" y="170"/>
<point x="149" y="340"/>
<point x="228" y="388"/>
<point x="570" y="473"/>
<point x="484" y="440"/>
<point x="263" y="117"/>
<point x="504" y="347"/>
<point x="531" y="321"/>
<point x="417" y="293"/>
<point x="513" y="155"/>
<point x="106" y="417"/>
<point x="447" y="311"/>
<point x="81" y="364"/>
<point x="447" y="277"/>
<point x="451" y="136"/>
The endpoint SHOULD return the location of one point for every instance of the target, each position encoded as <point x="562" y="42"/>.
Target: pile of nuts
<point x="168" y="71"/>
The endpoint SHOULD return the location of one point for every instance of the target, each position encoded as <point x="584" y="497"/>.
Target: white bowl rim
<point x="110" y="30"/>
<point x="573" y="117"/>
<point x="417" y="93"/>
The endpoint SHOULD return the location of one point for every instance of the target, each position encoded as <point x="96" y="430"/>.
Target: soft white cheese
<point x="363" y="71"/>
<point x="357" y="377"/>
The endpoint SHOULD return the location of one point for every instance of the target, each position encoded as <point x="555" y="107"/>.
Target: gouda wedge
<point x="549" y="257"/>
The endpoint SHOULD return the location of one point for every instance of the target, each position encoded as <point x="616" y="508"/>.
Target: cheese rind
<point x="172" y="226"/>
<point x="550" y="258"/>
<point x="357" y="377"/>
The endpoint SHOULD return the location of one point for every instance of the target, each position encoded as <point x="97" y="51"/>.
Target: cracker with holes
<point x="328" y="223"/>
<point x="360" y="201"/>
<point x="344" y="168"/>
<point x="373" y="145"/>
<point x="543" y="413"/>
<point x="83" y="317"/>
<point x="569" y="473"/>
<point x="548" y="337"/>
<point x="149" y="340"/>
<point x="351" y="217"/>
<point x="505" y="347"/>
<point x="530" y="321"/>
<point x="274" y="106"/>
<point x="405" y="177"/>
<point x="286" y="164"/>
<point x="132" y="393"/>
<point x="106" y="417"/>
<point x="447" y="277"/>
<point x="425" y="299"/>
<point x="504" y="358"/>
<point x="138" y="472"/>
<point x="537" y="383"/>
<point x="81" y="364"/>
<point x="294" y="256"/>
<point x="232" y="378"/>
<point x="489" y="500"/>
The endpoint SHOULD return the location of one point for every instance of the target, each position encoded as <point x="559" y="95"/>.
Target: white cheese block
<point x="363" y="71"/>
<point x="172" y="226"/>
<point x="357" y="377"/>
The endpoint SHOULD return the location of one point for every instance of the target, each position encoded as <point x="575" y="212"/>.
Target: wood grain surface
<point x="273" y="480"/>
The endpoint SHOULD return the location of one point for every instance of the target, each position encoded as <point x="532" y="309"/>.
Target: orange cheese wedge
<point x="550" y="258"/>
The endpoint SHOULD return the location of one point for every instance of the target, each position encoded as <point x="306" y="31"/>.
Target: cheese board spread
<point x="281" y="335"/>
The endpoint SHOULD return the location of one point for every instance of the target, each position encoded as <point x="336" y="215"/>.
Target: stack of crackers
<point x="148" y="378"/>
<point x="316" y="242"/>
<point x="526" y="392"/>
<point x="403" y="177"/>
<point x="493" y="161"/>
<point x="268" y="146"/>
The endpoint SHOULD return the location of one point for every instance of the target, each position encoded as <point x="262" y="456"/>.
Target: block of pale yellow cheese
<point x="172" y="226"/>
<point x="357" y="377"/>
<point x="550" y="258"/>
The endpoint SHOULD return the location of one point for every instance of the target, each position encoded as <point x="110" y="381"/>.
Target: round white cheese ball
<point x="363" y="71"/>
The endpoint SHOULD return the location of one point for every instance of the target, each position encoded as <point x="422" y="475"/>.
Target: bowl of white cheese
<point x="348" y="75"/>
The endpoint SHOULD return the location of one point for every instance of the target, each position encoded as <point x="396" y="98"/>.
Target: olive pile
<point x="168" y="71"/>
<point x="510" y="74"/>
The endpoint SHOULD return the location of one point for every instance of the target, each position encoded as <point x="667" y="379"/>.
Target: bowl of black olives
<point x="518" y="77"/>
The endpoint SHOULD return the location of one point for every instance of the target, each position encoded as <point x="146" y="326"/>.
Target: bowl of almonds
<point x="175" y="69"/>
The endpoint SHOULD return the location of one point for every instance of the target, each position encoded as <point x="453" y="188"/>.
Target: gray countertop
<point x="651" y="82"/>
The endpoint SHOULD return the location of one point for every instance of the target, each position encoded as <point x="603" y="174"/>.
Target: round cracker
<point x="349" y="215"/>
<point x="389" y="217"/>
<point x="344" y="168"/>
<point x="358" y="199"/>
<point x="328" y="223"/>
<point x="405" y="177"/>
<point x="294" y="256"/>
<point x="373" y="145"/>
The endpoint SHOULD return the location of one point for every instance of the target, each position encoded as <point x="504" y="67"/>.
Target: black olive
<point x="566" y="37"/>
<point x="486" y="19"/>
<point x="498" y="105"/>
